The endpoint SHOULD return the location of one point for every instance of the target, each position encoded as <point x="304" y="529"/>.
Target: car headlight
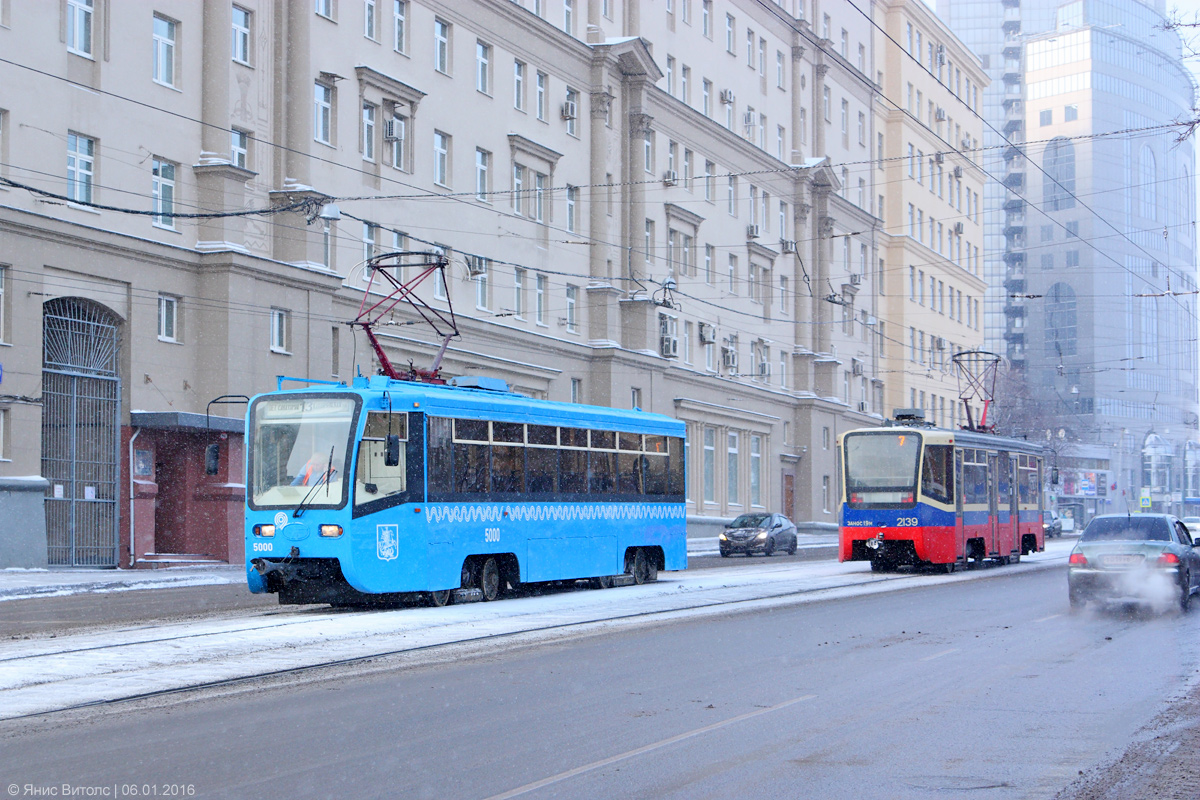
<point x="264" y="530"/>
<point x="722" y="537"/>
<point x="762" y="535"/>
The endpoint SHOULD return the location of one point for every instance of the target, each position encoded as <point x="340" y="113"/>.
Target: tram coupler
<point x="622" y="580"/>
<point x="876" y="543"/>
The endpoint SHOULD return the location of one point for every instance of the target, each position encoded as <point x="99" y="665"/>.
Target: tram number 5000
<point x="493" y="534"/>
<point x="906" y="522"/>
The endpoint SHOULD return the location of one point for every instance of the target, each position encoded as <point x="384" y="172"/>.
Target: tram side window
<point x="675" y="467"/>
<point x="573" y="461"/>
<point x="975" y="477"/>
<point x="541" y="459"/>
<point x="602" y="471"/>
<point x="374" y="479"/>
<point x="937" y="472"/>
<point x="441" y="464"/>
<point x="508" y="468"/>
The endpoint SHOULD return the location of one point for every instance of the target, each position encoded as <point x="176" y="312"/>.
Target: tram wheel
<point x="948" y="569"/>
<point x="603" y="582"/>
<point x="638" y="566"/>
<point x="439" y="599"/>
<point x="489" y="579"/>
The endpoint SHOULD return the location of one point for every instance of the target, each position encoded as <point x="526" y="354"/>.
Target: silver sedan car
<point x="1140" y="558"/>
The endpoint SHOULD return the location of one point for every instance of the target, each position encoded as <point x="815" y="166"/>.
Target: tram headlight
<point x="331" y="530"/>
<point x="264" y="530"/>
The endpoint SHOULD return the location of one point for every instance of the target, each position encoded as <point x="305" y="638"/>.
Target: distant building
<point x="573" y="160"/>
<point x="1096" y="238"/>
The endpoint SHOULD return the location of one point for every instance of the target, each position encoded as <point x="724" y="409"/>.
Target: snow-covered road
<point x="49" y="674"/>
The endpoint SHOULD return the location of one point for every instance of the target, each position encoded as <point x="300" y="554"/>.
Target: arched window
<point x="1149" y="184"/>
<point x="1058" y="185"/>
<point x="1060" y="320"/>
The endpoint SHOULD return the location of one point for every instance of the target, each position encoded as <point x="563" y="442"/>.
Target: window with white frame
<point x="241" y="35"/>
<point x="370" y="19"/>
<point x="323" y="113"/>
<point x="81" y="167"/>
<point x="168" y="318"/>
<point x="569" y="17"/>
<point x="540" y="85"/>
<point x="576" y="390"/>
<point x="732" y="461"/>
<point x="441" y="158"/>
<point x="482" y="273"/>
<point x="519" y="293"/>
<point x="164" y="50"/>
<point x="756" y="498"/>
<point x="539" y="197"/>
<point x="483" y="67"/>
<point x="400" y="141"/>
<point x="483" y="164"/>
<point x="572" y="119"/>
<point x="706" y="18"/>
<point x="572" y="208"/>
<point x="325" y="8"/>
<point x="368" y="131"/>
<point x="239" y="148"/>
<point x="519" y="85"/>
<point x="706" y="97"/>
<point x="163" y="193"/>
<point x="281" y="330"/>
<point x="730" y="37"/>
<point x="370" y="240"/>
<point x="541" y="285"/>
<point x="441" y="46"/>
<point x="572" y="297"/>
<point x="518" y="189"/>
<point x="710" y="465"/>
<point x="400" y="26"/>
<point x="80" y="14"/>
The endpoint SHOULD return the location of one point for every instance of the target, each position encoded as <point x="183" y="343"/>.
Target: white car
<point x="1193" y="525"/>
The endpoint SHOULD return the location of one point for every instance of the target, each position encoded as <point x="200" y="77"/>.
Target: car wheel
<point x="791" y="551"/>
<point x="1185" y="592"/>
<point x="770" y="548"/>
<point x="724" y="553"/>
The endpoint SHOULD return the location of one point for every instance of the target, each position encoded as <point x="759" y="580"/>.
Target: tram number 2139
<point x="906" y="522"/>
<point x="493" y="534"/>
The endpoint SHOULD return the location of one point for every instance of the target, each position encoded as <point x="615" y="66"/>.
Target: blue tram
<point x="389" y="489"/>
<point x="923" y="496"/>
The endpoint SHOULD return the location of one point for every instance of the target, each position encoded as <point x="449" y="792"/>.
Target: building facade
<point x="932" y="187"/>
<point x="668" y="207"/>
<point x="1097" y="221"/>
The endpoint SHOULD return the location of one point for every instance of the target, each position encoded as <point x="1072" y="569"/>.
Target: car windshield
<point x="1126" y="529"/>
<point x="749" y="521"/>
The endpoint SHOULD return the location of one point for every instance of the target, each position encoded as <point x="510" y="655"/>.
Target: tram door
<point x="960" y="489"/>
<point x="993" y="504"/>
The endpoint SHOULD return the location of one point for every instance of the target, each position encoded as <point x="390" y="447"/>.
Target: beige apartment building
<point x="663" y="205"/>
<point x="933" y="283"/>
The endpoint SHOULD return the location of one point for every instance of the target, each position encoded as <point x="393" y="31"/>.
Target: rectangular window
<point x="731" y="195"/>
<point x="572" y="119"/>
<point x="369" y="19"/>
<point x="441" y="46"/>
<point x="572" y="208"/>
<point x="706" y="98"/>
<point x="168" y="310"/>
<point x="79" y="26"/>
<point x="572" y="294"/>
<point x="164" y="51"/>
<point x="400" y="25"/>
<point x="441" y="158"/>
<point x="163" y="192"/>
<point x="569" y="17"/>
<point x="710" y="465"/>
<point x="732" y="273"/>
<point x="540" y="300"/>
<point x="81" y="163"/>
<point x="368" y="132"/>
<point x="685" y="84"/>
<point x="706" y="18"/>
<point x="518" y="194"/>
<point x="399" y="137"/>
<point x="709" y="253"/>
<point x="325" y="8"/>
<point x="483" y="163"/>
<point x="709" y="169"/>
<point x="280" y="330"/>
<point x="518" y="86"/>
<point x="539" y="197"/>
<point x="756" y="471"/>
<point x="541" y="96"/>
<point x="730" y="30"/>
<point x="731" y="468"/>
<point x="480" y="277"/>
<point x="519" y="293"/>
<point x="323" y="113"/>
<point x="241" y="35"/>
<point x="239" y="148"/>
<point x="370" y="240"/>
<point x="483" y="67"/>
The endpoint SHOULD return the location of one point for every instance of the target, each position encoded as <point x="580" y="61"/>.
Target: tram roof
<point x="962" y="438"/>
<point x="471" y="403"/>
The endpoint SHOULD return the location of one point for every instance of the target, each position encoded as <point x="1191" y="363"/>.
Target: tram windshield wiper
<point x="324" y="479"/>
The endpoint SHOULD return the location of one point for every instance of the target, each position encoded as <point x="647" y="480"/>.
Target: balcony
<point x="1014" y="282"/>
<point x="1013" y="336"/>
<point x="1012" y="46"/>
<point x="1015" y="306"/>
<point x="1013" y="202"/>
<point x="1012" y="70"/>
<point x="1013" y="258"/>
<point x="1015" y="181"/>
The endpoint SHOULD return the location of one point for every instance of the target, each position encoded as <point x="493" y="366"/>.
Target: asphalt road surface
<point x="988" y="689"/>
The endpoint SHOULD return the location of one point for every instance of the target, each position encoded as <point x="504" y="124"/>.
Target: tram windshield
<point x="298" y="451"/>
<point x="881" y="468"/>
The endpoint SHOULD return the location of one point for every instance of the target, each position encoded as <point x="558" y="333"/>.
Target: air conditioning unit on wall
<point x="668" y="346"/>
<point x="729" y="359"/>
<point x="670" y="177"/>
<point x="708" y="333"/>
<point x="570" y="110"/>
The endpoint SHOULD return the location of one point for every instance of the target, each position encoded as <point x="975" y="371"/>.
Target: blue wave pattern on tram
<point x="556" y="512"/>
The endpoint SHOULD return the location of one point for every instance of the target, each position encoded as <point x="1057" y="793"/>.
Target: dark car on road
<point x="1051" y="524"/>
<point x="1141" y="558"/>
<point x="758" y="533"/>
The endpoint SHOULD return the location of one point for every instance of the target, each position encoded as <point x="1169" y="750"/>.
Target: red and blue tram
<point x="925" y="496"/>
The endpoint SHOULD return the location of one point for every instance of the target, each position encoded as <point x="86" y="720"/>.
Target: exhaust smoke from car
<point x="1154" y="587"/>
